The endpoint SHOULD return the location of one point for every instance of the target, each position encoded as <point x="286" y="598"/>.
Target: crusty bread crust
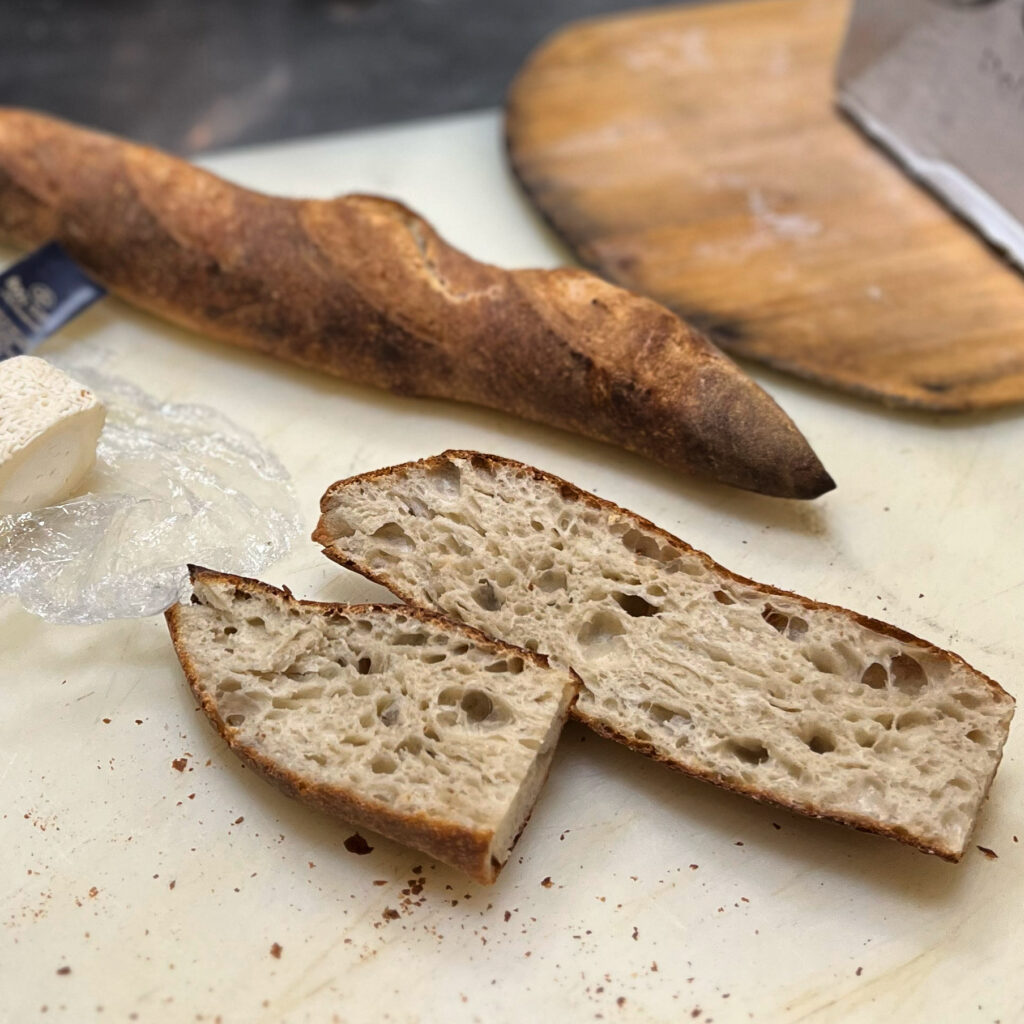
<point x="571" y="493"/>
<point x="862" y="823"/>
<point x="363" y="288"/>
<point x="463" y="848"/>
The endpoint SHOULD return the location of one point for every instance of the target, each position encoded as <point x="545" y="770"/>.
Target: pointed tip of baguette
<point x="750" y="442"/>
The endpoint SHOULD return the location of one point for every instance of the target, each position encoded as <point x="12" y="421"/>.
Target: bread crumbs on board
<point x="358" y="845"/>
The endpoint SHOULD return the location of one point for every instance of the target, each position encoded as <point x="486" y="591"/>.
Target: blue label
<point x="38" y="295"/>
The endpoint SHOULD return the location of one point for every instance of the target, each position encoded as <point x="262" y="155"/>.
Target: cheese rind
<point x="49" y="427"/>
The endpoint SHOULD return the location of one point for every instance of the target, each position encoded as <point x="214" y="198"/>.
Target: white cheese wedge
<point x="49" y="426"/>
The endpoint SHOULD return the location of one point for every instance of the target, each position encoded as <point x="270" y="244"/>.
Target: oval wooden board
<point x="695" y="155"/>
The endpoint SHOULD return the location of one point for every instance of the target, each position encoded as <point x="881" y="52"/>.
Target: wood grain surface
<point x="696" y="155"/>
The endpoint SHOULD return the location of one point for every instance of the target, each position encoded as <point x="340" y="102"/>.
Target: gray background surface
<point x="194" y="75"/>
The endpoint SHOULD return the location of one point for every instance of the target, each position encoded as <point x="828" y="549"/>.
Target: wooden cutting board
<point x="694" y="154"/>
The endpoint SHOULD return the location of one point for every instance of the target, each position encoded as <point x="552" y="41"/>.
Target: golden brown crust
<point x="464" y="848"/>
<point x="363" y="288"/>
<point x="570" y="492"/>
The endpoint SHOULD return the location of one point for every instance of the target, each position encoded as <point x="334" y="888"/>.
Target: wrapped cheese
<point x="49" y="427"/>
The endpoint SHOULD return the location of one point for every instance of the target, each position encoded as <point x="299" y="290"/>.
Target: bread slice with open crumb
<point x="392" y="718"/>
<point x="806" y="705"/>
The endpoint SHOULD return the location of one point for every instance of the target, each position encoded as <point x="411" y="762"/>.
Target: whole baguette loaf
<point x="363" y="288"/>
<point x="764" y="692"/>
<point x="391" y="718"/>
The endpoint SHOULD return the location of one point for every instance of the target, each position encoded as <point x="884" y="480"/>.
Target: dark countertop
<point x="194" y="75"/>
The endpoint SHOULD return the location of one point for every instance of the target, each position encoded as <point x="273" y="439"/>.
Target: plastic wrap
<point x="172" y="484"/>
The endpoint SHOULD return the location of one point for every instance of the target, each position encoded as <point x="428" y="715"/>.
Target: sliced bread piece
<point x="392" y="718"/>
<point x="806" y="705"/>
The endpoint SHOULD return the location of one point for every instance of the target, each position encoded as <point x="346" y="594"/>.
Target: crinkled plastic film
<point x="173" y="484"/>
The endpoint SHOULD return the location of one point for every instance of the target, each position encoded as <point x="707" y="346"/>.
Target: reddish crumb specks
<point x="991" y="854"/>
<point x="621" y="1001"/>
<point x="106" y="721"/>
<point x="358" y="845"/>
<point x="636" y="934"/>
<point x="63" y="970"/>
<point x="179" y="764"/>
<point x="859" y="971"/>
<point x="390" y="914"/>
<point x="508" y="915"/>
<point x="546" y="882"/>
<point x="380" y="881"/>
<point x="171" y="884"/>
<point x="238" y="820"/>
<point x="275" y="950"/>
<point x="654" y="965"/>
<point x="695" y="1012"/>
<point x="93" y="892"/>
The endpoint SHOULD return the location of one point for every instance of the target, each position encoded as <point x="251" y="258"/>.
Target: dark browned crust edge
<point x="859" y="822"/>
<point x="463" y="848"/>
<point x="570" y="492"/>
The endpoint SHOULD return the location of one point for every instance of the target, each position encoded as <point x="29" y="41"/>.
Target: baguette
<point x="392" y="718"/>
<point x="801" y="704"/>
<point x="363" y="288"/>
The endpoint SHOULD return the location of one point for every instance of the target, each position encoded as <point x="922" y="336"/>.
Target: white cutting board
<point x="668" y="899"/>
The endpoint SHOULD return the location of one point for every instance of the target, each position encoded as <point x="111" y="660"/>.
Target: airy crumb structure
<point x="390" y="717"/>
<point x="811" y="706"/>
